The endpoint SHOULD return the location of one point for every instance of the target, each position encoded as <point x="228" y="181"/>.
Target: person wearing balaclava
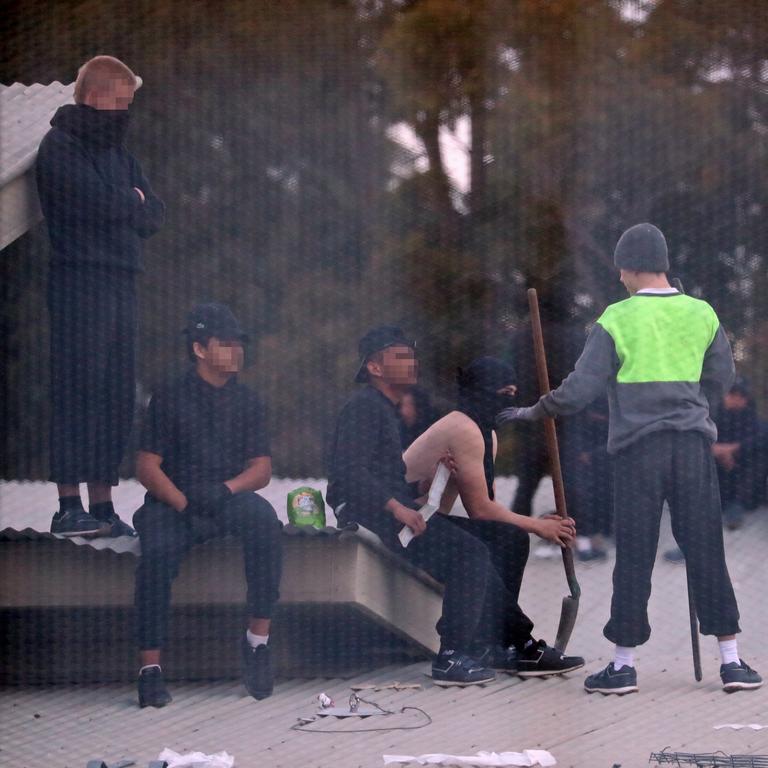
<point x="485" y="387"/>
<point x="98" y="207"/>
<point x="665" y="362"/>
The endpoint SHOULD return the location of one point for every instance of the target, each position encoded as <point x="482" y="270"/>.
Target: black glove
<point x="206" y="498"/>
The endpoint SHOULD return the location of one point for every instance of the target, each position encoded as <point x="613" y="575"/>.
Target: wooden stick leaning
<point x="570" y="607"/>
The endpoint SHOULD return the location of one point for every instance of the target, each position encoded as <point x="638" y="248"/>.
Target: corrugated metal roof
<point x="25" y="115"/>
<point x="83" y="722"/>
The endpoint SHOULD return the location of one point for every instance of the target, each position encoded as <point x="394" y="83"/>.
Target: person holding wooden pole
<point x="665" y="362"/>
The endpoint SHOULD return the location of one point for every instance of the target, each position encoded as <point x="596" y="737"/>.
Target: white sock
<point x="583" y="544"/>
<point x="149" y="666"/>
<point x="729" y="651"/>
<point x="256" y="640"/>
<point x="624" y="657"/>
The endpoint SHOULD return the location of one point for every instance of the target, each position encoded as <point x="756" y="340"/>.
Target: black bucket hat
<point x="212" y="319"/>
<point x="376" y="340"/>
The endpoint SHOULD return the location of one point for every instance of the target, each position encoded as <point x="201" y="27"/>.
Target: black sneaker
<point x="591" y="555"/>
<point x="258" y="675"/>
<point x="498" y="657"/>
<point x="77" y="522"/>
<point x="454" y="668"/>
<point x="152" y="690"/>
<point x="116" y="526"/>
<point x="539" y="660"/>
<point x="610" y="680"/>
<point x="739" y="677"/>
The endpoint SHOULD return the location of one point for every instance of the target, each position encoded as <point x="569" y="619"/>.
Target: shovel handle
<point x="550" y="435"/>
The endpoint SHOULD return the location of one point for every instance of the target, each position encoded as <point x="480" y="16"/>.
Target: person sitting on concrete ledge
<point x="467" y="433"/>
<point x="204" y="450"/>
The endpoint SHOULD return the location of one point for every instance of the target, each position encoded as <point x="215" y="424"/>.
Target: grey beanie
<point x="642" y="248"/>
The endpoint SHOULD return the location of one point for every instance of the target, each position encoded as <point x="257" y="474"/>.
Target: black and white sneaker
<point x="258" y="673"/>
<point x="739" y="677"/>
<point x="540" y="660"/>
<point x="152" y="690"/>
<point x="611" y="680"/>
<point x="453" y="668"/>
<point x="77" y="522"/>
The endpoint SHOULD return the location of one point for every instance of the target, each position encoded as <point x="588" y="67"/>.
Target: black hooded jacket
<point x="85" y="180"/>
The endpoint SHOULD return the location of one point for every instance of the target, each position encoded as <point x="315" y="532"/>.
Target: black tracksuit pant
<point x="676" y="467"/>
<point x="166" y="536"/>
<point x="93" y="335"/>
<point x="481" y="565"/>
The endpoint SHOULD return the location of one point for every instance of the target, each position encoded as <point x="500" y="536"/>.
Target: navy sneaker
<point x="454" y="668"/>
<point x="77" y="522"/>
<point x="499" y="658"/>
<point x="152" y="690"/>
<point x="739" y="677"/>
<point x="258" y="674"/>
<point x="610" y="680"/>
<point x="539" y="660"/>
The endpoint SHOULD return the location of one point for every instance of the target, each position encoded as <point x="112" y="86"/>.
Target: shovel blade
<point x="568" y="612"/>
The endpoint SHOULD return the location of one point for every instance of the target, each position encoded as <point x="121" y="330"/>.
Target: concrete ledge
<point x="346" y="602"/>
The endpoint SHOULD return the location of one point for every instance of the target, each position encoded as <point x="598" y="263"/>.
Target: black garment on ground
<point x="677" y="467"/>
<point x="92" y="363"/>
<point x="744" y="485"/>
<point x="85" y="180"/>
<point x="468" y="557"/>
<point x="167" y="536"/>
<point x="204" y="433"/>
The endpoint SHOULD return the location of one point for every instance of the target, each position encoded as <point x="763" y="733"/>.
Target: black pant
<point x="481" y="565"/>
<point x="166" y="537"/>
<point x="676" y="467"/>
<point x="93" y="332"/>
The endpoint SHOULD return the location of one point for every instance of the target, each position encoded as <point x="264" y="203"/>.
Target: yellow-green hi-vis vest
<point x="664" y="361"/>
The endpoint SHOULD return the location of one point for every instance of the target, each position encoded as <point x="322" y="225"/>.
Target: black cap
<point x="374" y="341"/>
<point x="642" y="248"/>
<point x="213" y="319"/>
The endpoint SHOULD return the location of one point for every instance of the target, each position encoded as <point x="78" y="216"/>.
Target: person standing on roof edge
<point x="98" y="206"/>
<point x="468" y="434"/>
<point x="204" y="451"/>
<point x="665" y="362"/>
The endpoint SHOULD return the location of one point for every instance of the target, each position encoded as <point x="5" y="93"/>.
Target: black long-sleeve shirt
<point x="366" y="463"/>
<point x="85" y="184"/>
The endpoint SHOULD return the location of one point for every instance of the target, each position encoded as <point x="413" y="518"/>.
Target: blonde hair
<point x="97" y="74"/>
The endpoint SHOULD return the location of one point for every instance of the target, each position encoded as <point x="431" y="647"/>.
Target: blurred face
<point x="735" y="401"/>
<point x="395" y="366"/>
<point x="408" y="410"/>
<point x="118" y="95"/>
<point x="223" y="356"/>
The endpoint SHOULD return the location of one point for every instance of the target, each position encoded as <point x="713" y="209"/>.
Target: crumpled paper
<point x="739" y="726"/>
<point x="196" y="759"/>
<point x="528" y="757"/>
